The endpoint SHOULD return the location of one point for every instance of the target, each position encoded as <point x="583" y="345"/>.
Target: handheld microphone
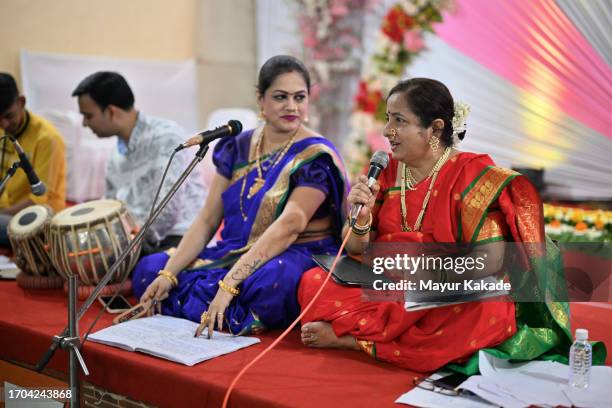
<point x="37" y="186"/>
<point x="379" y="161"/>
<point x="232" y="128"/>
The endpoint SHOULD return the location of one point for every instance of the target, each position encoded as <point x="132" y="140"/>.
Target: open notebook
<point x="170" y="338"/>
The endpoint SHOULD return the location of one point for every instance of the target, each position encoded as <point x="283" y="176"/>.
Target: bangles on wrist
<point x="229" y="289"/>
<point x="359" y="229"/>
<point x="169" y="276"/>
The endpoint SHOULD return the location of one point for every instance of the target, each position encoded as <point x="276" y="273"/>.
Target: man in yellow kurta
<point x="45" y="149"/>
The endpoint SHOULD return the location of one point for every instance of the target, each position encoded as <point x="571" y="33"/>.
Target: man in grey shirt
<point x="135" y="168"/>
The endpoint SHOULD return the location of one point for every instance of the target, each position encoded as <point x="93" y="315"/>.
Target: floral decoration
<point x="462" y="110"/>
<point x="399" y="41"/>
<point x="331" y="39"/>
<point x="568" y="224"/>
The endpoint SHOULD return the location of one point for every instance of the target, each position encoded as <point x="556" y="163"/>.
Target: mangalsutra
<point x="259" y="181"/>
<point x="434" y="175"/>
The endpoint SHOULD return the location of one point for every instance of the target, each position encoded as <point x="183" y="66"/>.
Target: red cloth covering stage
<point x="289" y="376"/>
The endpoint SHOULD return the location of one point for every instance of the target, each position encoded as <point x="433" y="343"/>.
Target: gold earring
<point x="260" y="116"/>
<point x="434" y="143"/>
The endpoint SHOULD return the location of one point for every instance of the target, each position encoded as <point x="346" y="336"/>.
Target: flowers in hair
<point x="462" y="110"/>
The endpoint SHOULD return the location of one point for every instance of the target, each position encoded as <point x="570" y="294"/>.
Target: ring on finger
<point x="204" y="318"/>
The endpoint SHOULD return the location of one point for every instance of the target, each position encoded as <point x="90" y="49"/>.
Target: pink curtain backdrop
<point x="536" y="47"/>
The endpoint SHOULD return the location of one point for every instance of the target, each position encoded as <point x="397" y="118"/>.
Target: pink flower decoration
<point x="310" y="41"/>
<point x="338" y="8"/>
<point x="377" y="141"/>
<point x="413" y="41"/>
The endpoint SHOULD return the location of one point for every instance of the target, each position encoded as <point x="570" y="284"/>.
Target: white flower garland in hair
<point x="462" y="110"/>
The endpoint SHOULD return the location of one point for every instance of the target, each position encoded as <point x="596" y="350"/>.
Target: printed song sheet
<point x="170" y="338"/>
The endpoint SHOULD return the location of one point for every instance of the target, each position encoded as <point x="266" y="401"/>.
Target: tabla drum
<point x="87" y="239"/>
<point x="27" y="232"/>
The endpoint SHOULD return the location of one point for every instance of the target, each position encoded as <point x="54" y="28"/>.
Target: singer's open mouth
<point x="394" y="145"/>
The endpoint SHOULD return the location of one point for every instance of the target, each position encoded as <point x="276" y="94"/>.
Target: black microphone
<point x="37" y="186"/>
<point x="233" y="128"/>
<point x="379" y="161"/>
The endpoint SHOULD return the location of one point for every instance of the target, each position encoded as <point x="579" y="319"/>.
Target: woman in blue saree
<point x="280" y="191"/>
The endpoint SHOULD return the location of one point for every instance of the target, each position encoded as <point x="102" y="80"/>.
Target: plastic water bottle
<point x="580" y="360"/>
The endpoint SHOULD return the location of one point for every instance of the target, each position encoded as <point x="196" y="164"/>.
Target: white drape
<point x="164" y="89"/>
<point x="576" y="158"/>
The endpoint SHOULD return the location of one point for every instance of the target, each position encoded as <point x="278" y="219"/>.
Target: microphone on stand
<point x="233" y="128"/>
<point x="379" y="161"/>
<point x="37" y="186"/>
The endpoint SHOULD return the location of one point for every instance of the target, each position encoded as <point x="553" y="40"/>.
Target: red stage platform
<point x="289" y="376"/>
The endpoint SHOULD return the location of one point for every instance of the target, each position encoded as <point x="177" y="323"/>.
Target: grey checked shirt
<point x="134" y="171"/>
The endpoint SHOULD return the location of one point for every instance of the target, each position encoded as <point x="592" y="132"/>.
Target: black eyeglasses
<point x="428" y="384"/>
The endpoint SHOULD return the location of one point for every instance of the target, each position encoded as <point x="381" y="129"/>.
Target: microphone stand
<point x="11" y="171"/>
<point x="69" y="338"/>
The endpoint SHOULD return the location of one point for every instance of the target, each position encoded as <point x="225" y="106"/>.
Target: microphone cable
<point x="291" y="326"/>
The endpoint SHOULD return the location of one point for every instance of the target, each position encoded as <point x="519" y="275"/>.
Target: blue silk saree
<point x="268" y="297"/>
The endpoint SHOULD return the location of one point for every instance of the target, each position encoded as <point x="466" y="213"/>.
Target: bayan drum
<point x="27" y="233"/>
<point x="86" y="240"/>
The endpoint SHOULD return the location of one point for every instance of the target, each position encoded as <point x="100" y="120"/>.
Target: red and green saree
<point x="472" y="201"/>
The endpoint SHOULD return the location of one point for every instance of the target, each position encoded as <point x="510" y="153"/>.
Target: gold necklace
<point x="410" y="181"/>
<point x="434" y="175"/>
<point x="259" y="180"/>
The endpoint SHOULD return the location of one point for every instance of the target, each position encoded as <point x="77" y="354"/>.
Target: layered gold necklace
<point x="409" y="181"/>
<point x="259" y="181"/>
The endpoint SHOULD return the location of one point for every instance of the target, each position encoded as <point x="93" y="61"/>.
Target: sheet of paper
<point x="490" y="392"/>
<point x="539" y="383"/>
<point x="419" y="397"/>
<point x="6" y="263"/>
<point x="598" y="394"/>
<point x="8" y="269"/>
<point x="9" y="273"/>
<point x="171" y="338"/>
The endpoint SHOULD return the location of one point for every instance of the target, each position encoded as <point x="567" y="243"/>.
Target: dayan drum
<point x="88" y="238"/>
<point x="27" y="232"/>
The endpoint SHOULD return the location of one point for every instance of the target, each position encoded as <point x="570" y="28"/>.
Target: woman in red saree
<point x="450" y="196"/>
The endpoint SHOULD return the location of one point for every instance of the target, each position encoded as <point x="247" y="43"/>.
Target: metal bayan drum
<point x="27" y="232"/>
<point x="86" y="240"/>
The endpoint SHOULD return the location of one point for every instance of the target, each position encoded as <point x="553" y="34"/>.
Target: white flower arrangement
<point x="462" y="110"/>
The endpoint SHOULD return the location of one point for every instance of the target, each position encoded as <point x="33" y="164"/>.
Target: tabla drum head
<point x="87" y="239"/>
<point x="86" y="213"/>
<point x="29" y="220"/>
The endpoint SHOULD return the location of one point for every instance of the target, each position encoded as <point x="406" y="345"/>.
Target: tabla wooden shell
<point x="27" y="233"/>
<point x="86" y="240"/>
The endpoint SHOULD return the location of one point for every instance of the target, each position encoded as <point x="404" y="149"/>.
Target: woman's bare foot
<point x="321" y="335"/>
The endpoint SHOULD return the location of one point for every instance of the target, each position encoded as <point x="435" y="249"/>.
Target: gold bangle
<point x="366" y="226"/>
<point x="231" y="290"/>
<point x="170" y="276"/>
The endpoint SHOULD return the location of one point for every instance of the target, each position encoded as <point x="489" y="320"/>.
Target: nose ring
<point x="393" y="133"/>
